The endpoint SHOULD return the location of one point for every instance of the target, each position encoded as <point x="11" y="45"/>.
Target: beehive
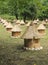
<point x="16" y="31"/>
<point x="41" y="29"/>
<point x="22" y="22"/>
<point x="35" y="22"/>
<point x="28" y="24"/>
<point x="18" y="22"/>
<point x="31" y="39"/>
<point x="9" y="27"/>
<point x="5" y="24"/>
<point x="44" y="23"/>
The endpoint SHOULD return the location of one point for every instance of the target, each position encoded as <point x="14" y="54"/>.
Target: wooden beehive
<point x="31" y="39"/>
<point x="35" y="22"/>
<point x="3" y="21"/>
<point x="46" y="20"/>
<point x="5" y="24"/>
<point x="16" y="31"/>
<point x="44" y="23"/>
<point x="22" y="22"/>
<point x="41" y="29"/>
<point x="28" y="24"/>
<point x="18" y="22"/>
<point x="28" y="43"/>
<point x="9" y="27"/>
<point x="36" y="43"/>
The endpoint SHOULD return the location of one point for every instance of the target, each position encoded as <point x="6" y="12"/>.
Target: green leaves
<point x="28" y="9"/>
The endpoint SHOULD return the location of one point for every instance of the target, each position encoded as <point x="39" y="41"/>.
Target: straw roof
<point x="3" y="21"/>
<point x="43" y="22"/>
<point x="22" y="22"/>
<point x="46" y="19"/>
<point x="9" y="25"/>
<point x="41" y="26"/>
<point x="18" y="22"/>
<point x="28" y="24"/>
<point x="31" y="33"/>
<point x="6" y="23"/>
<point x="14" y="20"/>
<point x="35" y="21"/>
<point x="16" y="28"/>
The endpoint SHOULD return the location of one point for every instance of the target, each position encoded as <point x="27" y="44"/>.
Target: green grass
<point x="12" y="52"/>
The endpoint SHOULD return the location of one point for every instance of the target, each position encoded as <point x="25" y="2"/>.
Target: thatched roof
<point x="14" y="20"/>
<point x="16" y="28"/>
<point x="9" y="25"/>
<point x="18" y="22"/>
<point x="41" y="26"/>
<point x="28" y="24"/>
<point x="6" y="23"/>
<point x="2" y="20"/>
<point x="22" y="22"/>
<point x="47" y="20"/>
<point x="43" y="22"/>
<point x="31" y="33"/>
<point x="35" y="21"/>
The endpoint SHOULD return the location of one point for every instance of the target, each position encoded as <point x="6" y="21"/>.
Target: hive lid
<point x="30" y="33"/>
<point x="41" y="26"/>
<point x="16" y="28"/>
<point x="9" y="25"/>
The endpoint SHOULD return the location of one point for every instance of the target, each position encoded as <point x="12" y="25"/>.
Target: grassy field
<point x="12" y="52"/>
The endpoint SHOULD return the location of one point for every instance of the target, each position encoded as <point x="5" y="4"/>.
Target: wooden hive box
<point x="16" y="31"/>
<point x="22" y="22"/>
<point x="9" y="27"/>
<point x="31" y="39"/>
<point x="41" y="29"/>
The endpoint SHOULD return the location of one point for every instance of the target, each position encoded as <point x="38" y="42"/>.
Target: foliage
<point x="25" y="9"/>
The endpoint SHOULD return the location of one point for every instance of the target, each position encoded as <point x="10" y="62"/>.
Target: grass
<point x="12" y="52"/>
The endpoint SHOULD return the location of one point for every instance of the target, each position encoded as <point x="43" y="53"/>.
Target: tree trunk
<point x="16" y="15"/>
<point x="24" y="18"/>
